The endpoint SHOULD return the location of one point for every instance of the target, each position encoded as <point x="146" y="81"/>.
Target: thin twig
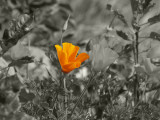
<point x="112" y="21"/>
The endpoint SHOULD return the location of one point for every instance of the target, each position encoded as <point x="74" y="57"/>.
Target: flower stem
<point x="65" y="98"/>
<point x="27" y="64"/>
<point x="136" y="82"/>
<point x="62" y="32"/>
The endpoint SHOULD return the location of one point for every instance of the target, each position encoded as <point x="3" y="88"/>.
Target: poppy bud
<point x="66" y="24"/>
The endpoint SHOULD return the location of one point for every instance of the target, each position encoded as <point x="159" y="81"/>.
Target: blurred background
<point x="29" y="29"/>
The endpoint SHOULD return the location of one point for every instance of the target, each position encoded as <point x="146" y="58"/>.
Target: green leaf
<point x="66" y="6"/>
<point x="147" y="5"/>
<point x="121" y="17"/>
<point x="6" y="34"/>
<point x="18" y="29"/>
<point x="13" y="83"/>
<point x="141" y="6"/>
<point x="42" y="3"/>
<point x="116" y="13"/>
<point x="134" y="5"/>
<point x="149" y="67"/>
<point x="140" y="70"/>
<point x="154" y="52"/>
<point x="15" y="105"/>
<point x="122" y="34"/>
<point x="102" y="57"/>
<point x="154" y="19"/>
<point x="155" y="36"/>
<point x="19" y="51"/>
<point x="128" y="48"/>
<point x="24" y="60"/>
<point x="155" y="61"/>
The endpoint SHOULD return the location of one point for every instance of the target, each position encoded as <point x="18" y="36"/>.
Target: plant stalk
<point x="65" y="98"/>
<point x="27" y="64"/>
<point x="136" y="84"/>
<point x="62" y="32"/>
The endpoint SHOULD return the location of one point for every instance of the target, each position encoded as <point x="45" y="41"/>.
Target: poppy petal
<point x="73" y="55"/>
<point x="68" y="48"/>
<point x="67" y="57"/>
<point x="61" y="55"/>
<point x="82" y="57"/>
<point x="70" y="66"/>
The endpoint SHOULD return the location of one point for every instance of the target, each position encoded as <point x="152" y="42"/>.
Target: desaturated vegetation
<point x="79" y="60"/>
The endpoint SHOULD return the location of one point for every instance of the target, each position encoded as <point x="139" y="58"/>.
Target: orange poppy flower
<point x="68" y="57"/>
